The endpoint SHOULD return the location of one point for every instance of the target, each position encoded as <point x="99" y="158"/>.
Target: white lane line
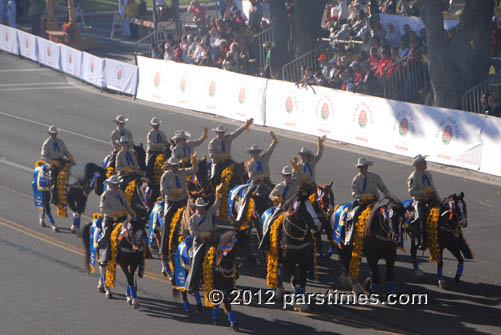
<point x="33" y="84"/>
<point x="37" y="88"/>
<point x="17" y="166"/>
<point x="46" y="125"/>
<point x="25" y="70"/>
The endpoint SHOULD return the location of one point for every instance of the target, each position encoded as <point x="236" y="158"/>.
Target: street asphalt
<point x="45" y="290"/>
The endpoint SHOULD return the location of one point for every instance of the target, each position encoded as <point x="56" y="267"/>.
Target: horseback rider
<point x="126" y="162"/>
<point x="304" y="170"/>
<point x="156" y="144"/>
<point x="258" y="169"/>
<point x="364" y="189"/>
<point x="120" y="131"/>
<point x="182" y="147"/>
<point x="220" y="149"/>
<point x="53" y="152"/>
<point x="173" y="189"/>
<point x="424" y="194"/>
<point x="114" y="207"/>
<point x="201" y="226"/>
<point x="286" y="189"/>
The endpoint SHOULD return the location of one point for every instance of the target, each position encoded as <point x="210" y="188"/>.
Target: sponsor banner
<point x="491" y="133"/>
<point x="414" y="22"/>
<point x="49" y="53"/>
<point x="120" y="76"/>
<point x="93" y="69"/>
<point x="8" y="39"/>
<point x="28" y="47"/>
<point x="153" y="80"/>
<point x="71" y="61"/>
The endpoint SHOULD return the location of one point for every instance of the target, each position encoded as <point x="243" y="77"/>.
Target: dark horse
<point x="221" y="274"/>
<point x="295" y="244"/>
<point x="324" y="207"/>
<point x="382" y="234"/>
<point x="453" y="215"/>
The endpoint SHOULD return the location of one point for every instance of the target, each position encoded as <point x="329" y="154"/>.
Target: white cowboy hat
<point x="363" y="162"/>
<point x="173" y="161"/>
<point x="419" y="159"/>
<point x="219" y="129"/>
<point x="305" y="151"/>
<point x="53" y="130"/>
<point x="286" y="171"/>
<point x="154" y="121"/>
<point x="112" y="180"/>
<point x="124" y="140"/>
<point x="121" y="119"/>
<point x="180" y="135"/>
<point x="200" y="203"/>
<point x="254" y="148"/>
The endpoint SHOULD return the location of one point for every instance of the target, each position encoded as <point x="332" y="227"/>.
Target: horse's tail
<point x="86" y="242"/>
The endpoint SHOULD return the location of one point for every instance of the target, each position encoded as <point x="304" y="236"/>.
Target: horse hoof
<point x="234" y="326"/>
<point x="199" y="309"/>
<point x="135" y="303"/>
<point x="100" y="289"/>
<point x="358" y="289"/>
<point x="54" y="229"/>
<point x="73" y="229"/>
<point x="109" y="295"/>
<point x="42" y="223"/>
<point x="214" y="322"/>
<point x="129" y="301"/>
<point x="418" y="273"/>
<point x="303" y="308"/>
<point x="441" y="284"/>
<point x="457" y="279"/>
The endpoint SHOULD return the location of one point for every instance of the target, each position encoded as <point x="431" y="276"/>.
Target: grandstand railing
<point x="408" y="79"/>
<point x="470" y="100"/>
<point x="143" y="46"/>
<point x="293" y="71"/>
<point x="257" y="51"/>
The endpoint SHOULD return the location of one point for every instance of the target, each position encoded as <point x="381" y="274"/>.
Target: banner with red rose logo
<point x="8" y="39"/>
<point x="49" y="53"/>
<point x="71" y="61"/>
<point x="93" y="69"/>
<point x="28" y="47"/>
<point x="153" y="80"/>
<point x="119" y="76"/>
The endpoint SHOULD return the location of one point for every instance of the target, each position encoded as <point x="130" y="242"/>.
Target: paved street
<point x="45" y="289"/>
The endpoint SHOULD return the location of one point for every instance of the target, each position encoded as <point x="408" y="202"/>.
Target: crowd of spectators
<point x="224" y="42"/>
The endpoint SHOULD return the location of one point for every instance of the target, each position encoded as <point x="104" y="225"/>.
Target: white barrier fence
<point x="110" y="74"/>
<point x="450" y="137"/>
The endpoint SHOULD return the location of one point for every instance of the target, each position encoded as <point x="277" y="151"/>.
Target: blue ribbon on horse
<point x="339" y="222"/>
<point x="36" y="185"/>
<point x="182" y="263"/>
<point x="156" y="220"/>
<point x="95" y="233"/>
<point x="236" y="193"/>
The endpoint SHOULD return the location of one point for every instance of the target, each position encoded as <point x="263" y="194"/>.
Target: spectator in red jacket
<point x="374" y="58"/>
<point x="384" y="63"/>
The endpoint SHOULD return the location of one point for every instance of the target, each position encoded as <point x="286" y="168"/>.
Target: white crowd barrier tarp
<point x="93" y="69"/>
<point x="8" y="39"/>
<point x="120" y="76"/>
<point x="71" y="61"/>
<point x="414" y="22"/>
<point x="203" y="89"/>
<point x="49" y="53"/>
<point x="28" y="46"/>
<point x="491" y="140"/>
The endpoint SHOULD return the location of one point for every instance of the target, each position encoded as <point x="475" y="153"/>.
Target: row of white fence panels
<point x="100" y="72"/>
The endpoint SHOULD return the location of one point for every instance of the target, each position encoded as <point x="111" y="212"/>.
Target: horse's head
<point x="457" y="206"/>
<point x="97" y="178"/>
<point x="302" y="210"/>
<point x="325" y="197"/>
<point x="230" y="245"/>
<point x="386" y="219"/>
<point x="135" y="234"/>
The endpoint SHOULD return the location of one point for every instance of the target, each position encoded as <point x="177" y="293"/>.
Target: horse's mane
<point x="374" y="212"/>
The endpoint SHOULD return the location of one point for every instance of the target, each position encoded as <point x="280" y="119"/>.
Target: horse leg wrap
<point x="51" y="219"/>
<point x="42" y="213"/>
<point x="231" y="317"/>
<point x="391" y="287"/>
<point x="374" y="287"/>
<point x="415" y="264"/>
<point x="133" y="292"/>
<point x="215" y="313"/>
<point x="128" y="294"/>
<point x="186" y="306"/>
<point x="76" y="220"/>
<point x="197" y="297"/>
<point x="459" y="271"/>
<point x="439" y="273"/>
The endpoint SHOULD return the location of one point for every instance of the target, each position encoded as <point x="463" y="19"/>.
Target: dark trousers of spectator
<point x="35" y="25"/>
<point x="133" y="30"/>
